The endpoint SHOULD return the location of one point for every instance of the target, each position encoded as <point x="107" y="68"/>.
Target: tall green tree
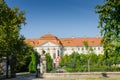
<point x="64" y="60"/>
<point x="10" y="39"/>
<point x="109" y="23"/>
<point x="32" y="65"/>
<point x="23" y="60"/>
<point x="49" y="62"/>
<point x="89" y="57"/>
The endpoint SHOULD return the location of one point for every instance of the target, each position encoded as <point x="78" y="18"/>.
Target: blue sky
<point x="63" y="18"/>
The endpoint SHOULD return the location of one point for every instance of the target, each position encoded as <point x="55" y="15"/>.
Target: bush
<point x="49" y="62"/>
<point x="32" y="65"/>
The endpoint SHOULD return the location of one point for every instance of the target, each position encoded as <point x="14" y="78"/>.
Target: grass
<point x="103" y="79"/>
<point x="90" y="79"/>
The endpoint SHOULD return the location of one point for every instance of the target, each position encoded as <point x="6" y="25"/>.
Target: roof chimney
<point x="97" y="36"/>
<point x="73" y="36"/>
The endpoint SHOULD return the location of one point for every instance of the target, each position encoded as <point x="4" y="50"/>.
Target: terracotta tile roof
<point x="32" y="42"/>
<point x="48" y="37"/>
<point x="63" y="41"/>
<point x="80" y="41"/>
<point x="44" y="39"/>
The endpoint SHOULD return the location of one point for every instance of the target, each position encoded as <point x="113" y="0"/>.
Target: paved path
<point x="82" y="77"/>
<point x="33" y="77"/>
<point x="25" y="77"/>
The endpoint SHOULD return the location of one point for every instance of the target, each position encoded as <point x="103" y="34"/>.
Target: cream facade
<point x="57" y="47"/>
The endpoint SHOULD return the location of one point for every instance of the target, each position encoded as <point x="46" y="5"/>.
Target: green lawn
<point x="91" y="79"/>
<point x="103" y="79"/>
<point x="82" y="79"/>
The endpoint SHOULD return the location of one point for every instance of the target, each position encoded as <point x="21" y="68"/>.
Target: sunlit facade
<point x="57" y="47"/>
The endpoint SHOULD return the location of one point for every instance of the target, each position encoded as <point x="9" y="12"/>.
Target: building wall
<point x="56" y="51"/>
<point x="81" y="49"/>
<point x="3" y="67"/>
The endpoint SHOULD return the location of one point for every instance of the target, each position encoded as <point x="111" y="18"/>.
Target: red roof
<point x="48" y="37"/>
<point x="44" y="39"/>
<point x="80" y="41"/>
<point x="63" y="41"/>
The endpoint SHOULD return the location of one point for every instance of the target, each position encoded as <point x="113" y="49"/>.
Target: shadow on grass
<point x="104" y="75"/>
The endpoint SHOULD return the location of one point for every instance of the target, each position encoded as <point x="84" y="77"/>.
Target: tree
<point x="32" y="65"/>
<point x="10" y="39"/>
<point x="64" y="60"/>
<point x="24" y="59"/>
<point x="109" y="23"/>
<point x="89" y="57"/>
<point x="86" y="45"/>
<point x="49" y="62"/>
<point x="71" y="62"/>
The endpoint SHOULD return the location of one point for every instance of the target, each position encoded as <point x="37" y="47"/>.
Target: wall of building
<point x="56" y="51"/>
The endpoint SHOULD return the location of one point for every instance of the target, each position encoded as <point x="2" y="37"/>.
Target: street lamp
<point x="37" y="66"/>
<point x="38" y="70"/>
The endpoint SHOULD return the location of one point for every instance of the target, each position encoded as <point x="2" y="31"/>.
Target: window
<point x="54" y="48"/>
<point x="65" y="49"/>
<point x="42" y="48"/>
<point x="98" y="48"/>
<point x="82" y="48"/>
<point x="58" y="53"/>
<point x="102" y="52"/>
<point x="73" y="49"/>
<point x="48" y="48"/>
<point x="54" y="55"/>
<point x="35" y="49"/>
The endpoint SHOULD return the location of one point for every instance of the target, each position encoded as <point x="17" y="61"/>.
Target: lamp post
<point x="38" y="71"/>
<point x="37" y="66"/>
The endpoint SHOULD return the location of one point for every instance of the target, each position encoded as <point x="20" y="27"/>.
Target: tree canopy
<point x="12" y="45"/>
<point x="10" y="25"/>
<point x="109" y="23"/>
<point x="49" y="62"/>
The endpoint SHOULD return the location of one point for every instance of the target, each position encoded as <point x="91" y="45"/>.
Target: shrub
<point x="32" y="65"/>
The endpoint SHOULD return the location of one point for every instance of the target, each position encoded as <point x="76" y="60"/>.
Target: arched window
<point x="54" y="55"/>
<point x="58" y="53"/>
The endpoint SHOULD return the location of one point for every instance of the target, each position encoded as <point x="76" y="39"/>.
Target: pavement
<point x="22" y="76"/>
<point x="33" y="77"/>
<point x="25" y="77"/>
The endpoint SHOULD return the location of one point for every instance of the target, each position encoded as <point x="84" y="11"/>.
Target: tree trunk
<point x="12" y="65"/>
<point x="7" y="73"/>
<point x="88" y="65"/>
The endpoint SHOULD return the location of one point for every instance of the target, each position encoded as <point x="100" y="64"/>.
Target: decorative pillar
<point x="43" y="63"/>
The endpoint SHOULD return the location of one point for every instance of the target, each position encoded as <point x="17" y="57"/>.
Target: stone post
<point x="43" y="63"/>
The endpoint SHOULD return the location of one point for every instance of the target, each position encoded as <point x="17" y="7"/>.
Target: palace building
<point x="57" y="47"/>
